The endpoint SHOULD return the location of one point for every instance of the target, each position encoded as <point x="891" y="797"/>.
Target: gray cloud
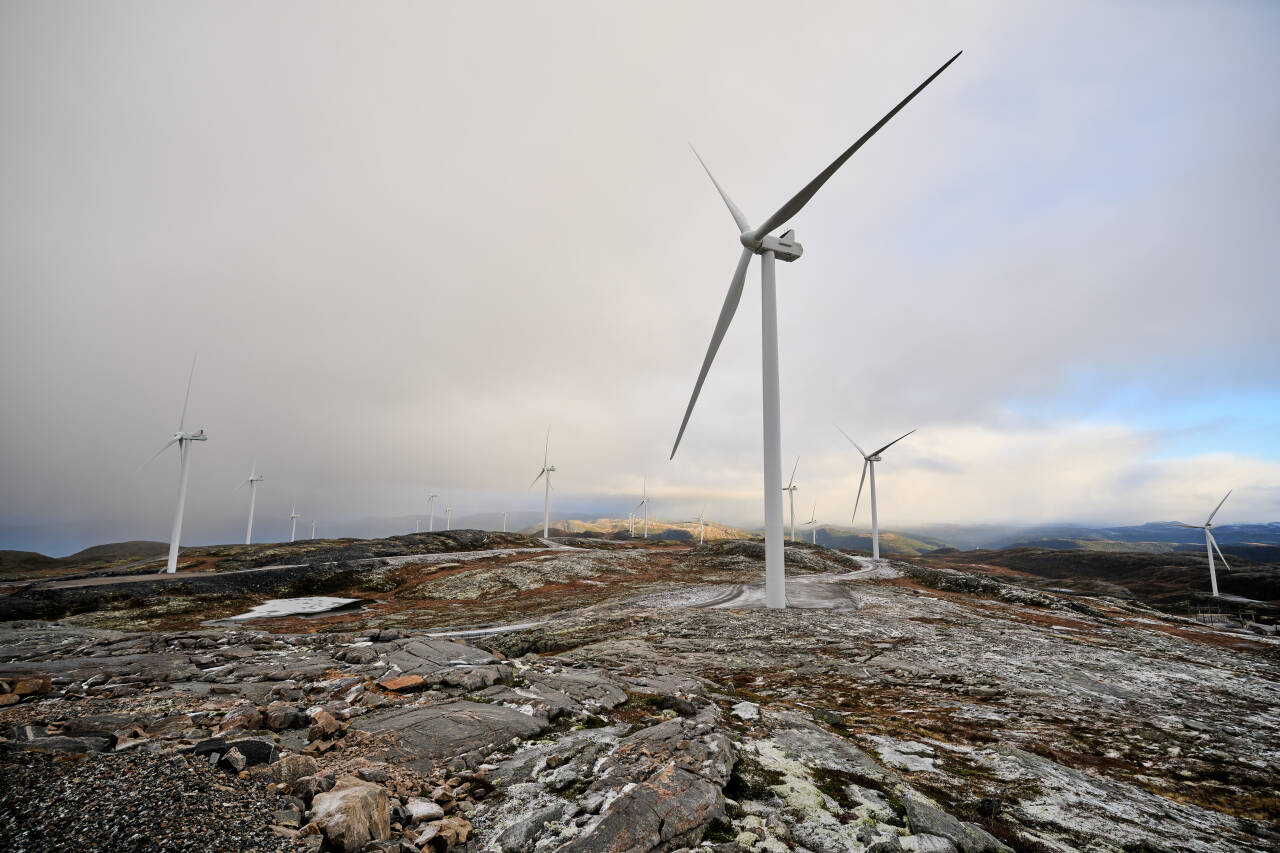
<point x="406" y="238"/>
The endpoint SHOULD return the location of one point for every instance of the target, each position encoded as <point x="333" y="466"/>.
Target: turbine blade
<point x="851" y="441"/>
<point x="537" y="478"/>
<point x="854" y="517"/>
<point x="1180" y="524"/>
<point x="792" y="481"/>
<point x="1219" y="550"/>
<point x="170" y="443"/>
<point x="800" y="199"/>
<point x="730" y="307"/>
<point x="546" y="451"/>
<point x="891" y="444"/>
<point x="182" y="421"/>
<point x="743" y="225"/>
<point x="1218" y="507"/>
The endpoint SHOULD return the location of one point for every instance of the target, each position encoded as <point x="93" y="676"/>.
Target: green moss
<point x="751" y="780"/>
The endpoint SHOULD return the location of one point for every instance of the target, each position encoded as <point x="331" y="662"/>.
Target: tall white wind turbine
<point x="504" y="522"/>
<point x="790" y="489"/>
<point x="431" y="513"/>
<point x="313" y="528"/>
<point x="759" y="241"/>
<point x="183" y="439"/>
<point x="869" y="461"/>
<point x="1210" y="543"/>
<point x="293" y="527"/>
<point x="448" y="518"/>
<point x="644" y="504"/>
<point x="546" y="494"/>
<point x="702" y="525"/>
<point x="254" y="479"/>
<point x="813" y="523"/>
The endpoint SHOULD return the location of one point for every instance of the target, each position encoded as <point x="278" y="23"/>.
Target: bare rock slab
<point x="424" y="736"/>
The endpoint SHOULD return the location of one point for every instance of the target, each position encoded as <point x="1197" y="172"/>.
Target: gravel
<point x="132" y="802"/>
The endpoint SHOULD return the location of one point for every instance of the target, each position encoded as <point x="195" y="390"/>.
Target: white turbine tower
<point x="254" y="479"/>
<point x="546" y="494"/>
<point x="759" y="241"/>
<point x="702" y="523"/>
<point x="431" y="513"/>
<point x="313" y="528"/>
<point x="869" y="463"/>
<point x="813" y="523"/>
<point x="631" y="524"/>
<point x="293" y="527"/>
<point x="183" y="439"/>
<point x="504" y="522"/>
<point x="790" y="489"/>
<point x="644" y="504"/>
<point x="448" y="518"/>
<point x="1210" y="543"/>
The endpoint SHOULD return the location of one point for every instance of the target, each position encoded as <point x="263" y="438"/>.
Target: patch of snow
<point x="310" y="606"/>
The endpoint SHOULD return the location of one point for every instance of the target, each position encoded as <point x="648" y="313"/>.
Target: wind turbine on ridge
<point x="644" y="503"/>
<point x="759" y="241"/>
<point x="546" y="495"/>
<point x="183" y="439"/>
<point x="293" y="526"/>
<point x="869" y="461"/>
<point x="313" y="528"/>
<point x="448" y="518"/>
<point x="813" y="523"/>
<point x="1210" y="542"/>
<point x="431" y="513"/>
<point x="254" y="479"/>
<point x="790" y="489"/>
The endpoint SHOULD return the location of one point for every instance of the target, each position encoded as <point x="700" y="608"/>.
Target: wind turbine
<point x="546" y="495"/>
<point x="790" y="489"/>
<point x="293" y="527"/>
<point x="759" y="241"/>
<point x="448" y="518"/>
<point x="702" y="521"/>
<point x="183" y="439"/>
<point x="313" y="528"/>
<point x="254" y="479"/>
<point x="1209" y="542"/>
<point x="869" y="463"/>
<point x="631" y="524"/>
<point x="431" y="518"/>
<point x="644" y="503"/>
<point x="504" y="522"/>
<point x="813" y="523"/>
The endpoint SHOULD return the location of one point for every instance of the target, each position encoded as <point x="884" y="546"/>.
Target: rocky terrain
<point x="505" y="694"/>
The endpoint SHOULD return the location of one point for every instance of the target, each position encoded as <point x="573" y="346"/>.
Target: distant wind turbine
<point x="644" y="504"/>
<point x="431" y="510"/>
<point x="790" y="489"/>
<point x="759" y="241"/>
<point x="504" y="522"/>
<point x="313" y="528"/>
<point x="702" y="523"/>
<point x="631" y="524"/>
<point x="546" y="495"/>
<point x="254" y="479"/>
<point x="293" y="526"/>
<point x="869" y="463"/>
<point x="813" y="523"/>
<point x="1210" y="543"/>
<point x="183" y="439"/>
<point x="448" y="518"/>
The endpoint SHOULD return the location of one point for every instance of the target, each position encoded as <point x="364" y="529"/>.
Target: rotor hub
<point x="784" y="248"/>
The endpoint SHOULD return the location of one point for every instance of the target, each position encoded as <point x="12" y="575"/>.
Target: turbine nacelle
<point x="784" y="248"/>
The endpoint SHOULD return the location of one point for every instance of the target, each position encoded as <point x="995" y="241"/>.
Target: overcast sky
<point x="404" y="238"/>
